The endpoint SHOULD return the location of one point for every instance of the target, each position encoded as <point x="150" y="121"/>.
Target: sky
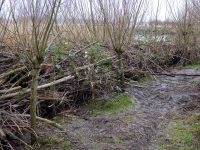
<point x="163" y="7"/>
<point x="164" y="12"/>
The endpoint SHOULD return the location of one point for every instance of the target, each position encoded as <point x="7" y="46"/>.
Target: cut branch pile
<point x="15" y="130"/>
<point x="58" y="89"/>
<point x="63" y="84"/>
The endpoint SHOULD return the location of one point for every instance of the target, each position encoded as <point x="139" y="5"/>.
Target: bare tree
<point x="112" y="21"/>
<point x="184" y="24"/>
<point x="4" y="22"/>
<point x="120" y="20"/>
<point x="32" y="23"/>
<point x="195" y="13"/>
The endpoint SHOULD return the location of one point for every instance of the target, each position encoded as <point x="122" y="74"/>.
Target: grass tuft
<point x="53" y="142"/>
<point x="113" y="105"/>
<point x="182" y="133"/>
<point x="195" y="66"/>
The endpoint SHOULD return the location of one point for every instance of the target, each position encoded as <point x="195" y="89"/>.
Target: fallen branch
<point x="78" y="51"/>
<point x="101" y="62"/>
<point x="53" y="99"/>
<point x="10" y="90"/>
<point x="24" y="91"/>
<point x="174" y="74"/>
<point x="3" y="60"/>
<point x="12" y="72"/>
<point x="53" y="123"/>
<point x="17" y="138"/>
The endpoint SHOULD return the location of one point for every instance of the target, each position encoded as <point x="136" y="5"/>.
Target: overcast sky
<point x="164" y="5"/>
<point x="164" y="12"/>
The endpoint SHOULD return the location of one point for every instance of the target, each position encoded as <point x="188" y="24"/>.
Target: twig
<point x="17" y="138"/>
<point x="78" y="51"/>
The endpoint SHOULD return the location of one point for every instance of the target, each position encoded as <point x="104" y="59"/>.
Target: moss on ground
<point x="183" y="133"/>
<point x="112" y="105"/>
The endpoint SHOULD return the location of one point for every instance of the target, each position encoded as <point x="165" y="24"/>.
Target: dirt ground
<point x="136" y="128"/>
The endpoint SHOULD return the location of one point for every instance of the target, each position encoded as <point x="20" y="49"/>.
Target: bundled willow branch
<point x="12" y="72"/>
<point x="24" y="91"/>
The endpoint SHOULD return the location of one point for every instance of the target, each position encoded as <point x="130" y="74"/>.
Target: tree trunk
<point x="91" y="78"/>
<point x="34" y="98"/>
<point x="121" y="69"/>
<point x="92" y="84"/>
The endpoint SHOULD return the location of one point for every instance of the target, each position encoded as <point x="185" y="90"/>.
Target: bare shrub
<point x="32" y="25"/>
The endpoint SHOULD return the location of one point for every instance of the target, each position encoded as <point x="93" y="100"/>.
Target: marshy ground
<point x="163" y="114"/>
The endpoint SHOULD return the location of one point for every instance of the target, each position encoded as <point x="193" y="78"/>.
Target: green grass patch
<point x="195" y="66"/>
<point x="183" y="133"/>
<point x="53" y="142"/>
<point x="113" y="104"/>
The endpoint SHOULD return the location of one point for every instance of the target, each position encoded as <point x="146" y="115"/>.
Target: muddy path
<point x="136" y="128"/>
